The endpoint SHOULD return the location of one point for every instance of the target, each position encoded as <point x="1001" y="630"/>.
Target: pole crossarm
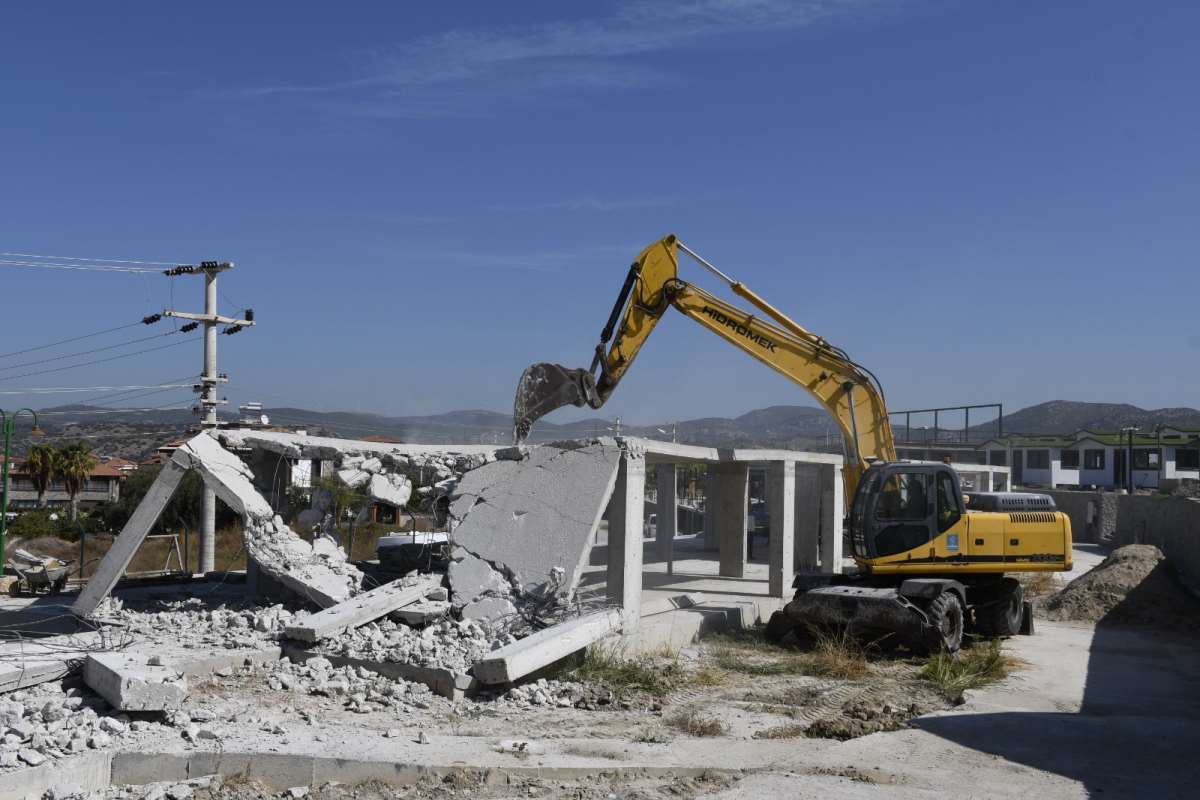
<point x="215" y="319"/>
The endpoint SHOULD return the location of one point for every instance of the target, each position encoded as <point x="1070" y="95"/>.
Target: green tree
<point x="75" y="463"/>
<point x="342" y="498"/>
<point x="41" y="461"/>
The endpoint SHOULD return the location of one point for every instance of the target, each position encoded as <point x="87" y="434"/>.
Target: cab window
<point x="948" y="509"/>
<point x="902" y="513"/>
<point x="903" y="497"/>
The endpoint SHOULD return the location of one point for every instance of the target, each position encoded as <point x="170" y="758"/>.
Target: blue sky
<point x="981" y="201"/>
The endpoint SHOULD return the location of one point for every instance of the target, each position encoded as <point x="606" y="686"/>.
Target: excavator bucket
<point x="545" y="387"/>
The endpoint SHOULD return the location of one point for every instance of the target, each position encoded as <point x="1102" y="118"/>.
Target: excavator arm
<point x="848" y="391"/>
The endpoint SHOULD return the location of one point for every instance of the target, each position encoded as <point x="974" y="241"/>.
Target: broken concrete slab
<point x="129" y="683"/>
<point x="472" y="578"/>
<point x="445" y="682"/>
<point x="422" y="612"/>
<point x="489" y="608"/>
<point x="690" y="600"/>
<point x="392" y="489"/>
<point x="543" y="648"/>
<point x="28" y="662"/>
<point x="353" y="477"/>
<point x="361" y="609"/>
<point x="536" y="519"/>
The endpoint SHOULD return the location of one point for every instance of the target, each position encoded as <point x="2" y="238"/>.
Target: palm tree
<point x="41" y="461"/>
<point x="75" y="463"/>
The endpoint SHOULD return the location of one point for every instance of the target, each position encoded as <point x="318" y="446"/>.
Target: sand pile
<point x="1134" y="585"/>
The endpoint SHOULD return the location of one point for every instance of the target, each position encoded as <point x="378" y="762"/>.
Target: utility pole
<point x="209" y="380"/>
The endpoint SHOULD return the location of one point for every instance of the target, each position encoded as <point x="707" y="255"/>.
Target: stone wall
<point x="1093" y="514"/>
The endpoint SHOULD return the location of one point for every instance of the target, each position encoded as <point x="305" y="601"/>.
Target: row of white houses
<point x="1098" y="458"/>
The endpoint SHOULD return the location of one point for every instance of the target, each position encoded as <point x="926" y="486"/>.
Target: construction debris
<point x="48" y="722"/>
<point x="516" y="660"/>
<point x="554" y="498"/>
<point x="361" y="609"/>
<point x="130" y="682"/>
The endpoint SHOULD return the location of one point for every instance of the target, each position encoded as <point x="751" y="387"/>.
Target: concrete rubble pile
<point x="318" y="571"/>
<point x="361" y="690"/>
<point x="192" y="624"/>
<point x="450" y="644"/>
<point x="47" y="722"/>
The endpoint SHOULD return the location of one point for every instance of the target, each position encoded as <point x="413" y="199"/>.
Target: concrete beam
<point x="733" y="504"/>
<point x="668" y="513"/>
<point x="625" y="518"/>
<point x="781" y="506"/>
<point x="114" y="563"/>
<point x="360" y="609"/>
<point x="712" y="492"/>
<point x="129" y="683"/>
<point x="543" y="648"/>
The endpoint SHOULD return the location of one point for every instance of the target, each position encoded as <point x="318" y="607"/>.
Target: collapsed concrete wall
<point x="535" y="519"/>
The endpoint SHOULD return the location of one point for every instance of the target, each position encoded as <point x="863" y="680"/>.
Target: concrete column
<point x="113" y="565"/>
<point x="208" y="530"/>
<point x="808" y="517"/>
<point x="711" y="490"/>
<point x="733" y="504"/>
<point x="832" y="511"/>
<point x="781" y="505"/>
<point x="668" y="514"/>
<point x="625" y="518"/>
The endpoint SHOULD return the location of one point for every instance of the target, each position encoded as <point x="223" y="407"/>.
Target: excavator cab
<point x="900" y="506"/>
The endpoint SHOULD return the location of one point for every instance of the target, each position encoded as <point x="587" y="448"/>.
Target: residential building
<point x="1098" y="458"/>
<point x="103" y="485"/>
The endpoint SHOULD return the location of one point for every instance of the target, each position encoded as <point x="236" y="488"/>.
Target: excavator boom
<point x="845" y="389"/>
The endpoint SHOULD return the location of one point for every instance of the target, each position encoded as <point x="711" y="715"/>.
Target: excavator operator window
<point x="902" y="513"/>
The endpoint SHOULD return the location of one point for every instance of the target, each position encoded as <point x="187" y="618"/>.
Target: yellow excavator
<point x="930" y="561"/>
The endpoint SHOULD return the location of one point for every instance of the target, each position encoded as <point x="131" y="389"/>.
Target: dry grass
<point x="655" y="675"/>
<point x="832" y="656"/>
<point x="708" y="677"/>
<point x="969" y="668"/>
<point x="157" y="555"/>
<point x="693" y="723"/>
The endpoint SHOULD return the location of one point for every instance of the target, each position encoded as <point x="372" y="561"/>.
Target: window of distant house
<point x="1187" y="458"/>
<point x="1093" y="459"/>
<point x="1145" y="459"/>
<point x="998" y="457"/>
<point x="1070" y="459"/>
<point x="1037" y="459"/>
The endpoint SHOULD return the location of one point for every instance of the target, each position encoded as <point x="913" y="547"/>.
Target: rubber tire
<point x="946" y="615"/>
<point x="1004" y="616"/>
<point x="778" y="626"/>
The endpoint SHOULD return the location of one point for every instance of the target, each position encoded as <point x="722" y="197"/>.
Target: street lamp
<point x="1129" y="430"/>
<point x="9" y="422"/>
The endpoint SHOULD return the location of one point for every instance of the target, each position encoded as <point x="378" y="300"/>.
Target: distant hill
<point x="1067" y="416"/>
<point x="136" y="434"/>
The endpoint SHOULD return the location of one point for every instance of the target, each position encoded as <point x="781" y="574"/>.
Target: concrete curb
<point x="93" y="771"/>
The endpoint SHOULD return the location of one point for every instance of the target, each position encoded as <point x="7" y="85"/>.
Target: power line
<point x="94" y="260"/>
<point x="85" y="352"/>
<point x="170" y="383"/>
<point x="139" y="395"/>
<point x="68" y="389"/>
<point x="172" y="406"/>
<point x="100" y="360"/>
<point x="67" y="341"/>
<point x="76" y="267"/>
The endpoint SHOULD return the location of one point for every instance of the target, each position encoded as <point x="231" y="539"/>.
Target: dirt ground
<point x="1134" y="585"/>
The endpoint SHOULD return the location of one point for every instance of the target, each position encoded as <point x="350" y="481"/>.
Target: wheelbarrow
<point x="33" y="578"/>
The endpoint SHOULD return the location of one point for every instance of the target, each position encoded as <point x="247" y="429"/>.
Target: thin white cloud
<point x="441" y="74"/>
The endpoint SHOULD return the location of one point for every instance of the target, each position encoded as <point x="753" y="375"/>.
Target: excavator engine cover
<point x="545" y="387"/>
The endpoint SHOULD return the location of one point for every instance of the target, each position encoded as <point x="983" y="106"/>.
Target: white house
<point x="1098" y="458"/>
